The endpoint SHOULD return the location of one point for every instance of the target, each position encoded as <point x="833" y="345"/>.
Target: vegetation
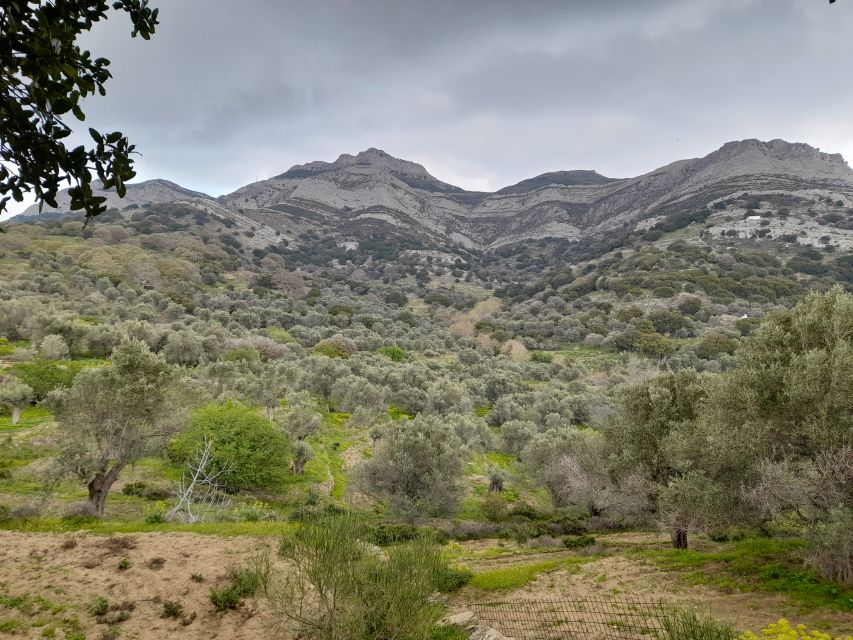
<point x="340" y="589"/>
<point x="247" y="449"/>
<point x="526" y="410"/>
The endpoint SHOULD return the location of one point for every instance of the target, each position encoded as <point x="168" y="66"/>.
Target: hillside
<point x="545" y="415"/>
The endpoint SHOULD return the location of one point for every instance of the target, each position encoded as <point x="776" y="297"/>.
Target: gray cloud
<point x="482" y="92"/>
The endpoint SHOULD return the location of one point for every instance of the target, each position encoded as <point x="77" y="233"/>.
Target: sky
<point x="483" y="93"/>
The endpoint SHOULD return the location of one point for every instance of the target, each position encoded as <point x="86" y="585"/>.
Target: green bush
<point x="344" y="590"/>
<point x="244" y="582"/>
<point x="387" y="534"/>
<point x="395" y="353"/>
<point x="579" y="542"/>
<point x="46" y="375"/>
<point x="688" y="625"/>
<point x="452" y="579"/>
<point x="542" y="356"/>
<point x="98" y="607"/>
<point x="252" y="452"/>
<point x="134" y="489"/>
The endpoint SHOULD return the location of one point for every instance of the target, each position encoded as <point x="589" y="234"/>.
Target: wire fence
<point x="599" y="618"/>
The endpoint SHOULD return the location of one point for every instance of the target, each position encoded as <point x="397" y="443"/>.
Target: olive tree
<point x="301" y="418"/>
<point x="416" y="466"/>
<point x="114" y="415"/>
<point x="782" y="419"/>
<point x="16" y="394"/>
<point x="658" y="416"/>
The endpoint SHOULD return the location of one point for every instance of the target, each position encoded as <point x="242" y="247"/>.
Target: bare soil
<point x="75" y="569"/>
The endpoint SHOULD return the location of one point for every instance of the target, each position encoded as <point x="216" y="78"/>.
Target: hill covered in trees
<point x="170" y="366"/>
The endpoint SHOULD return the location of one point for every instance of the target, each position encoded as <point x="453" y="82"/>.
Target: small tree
<point x="416" y="466"/>
<point x="112" y="416"/>
<point x="53" y="347"/>
<point x="269" y="385"/>
<point x="302" y="454"/>
<point x="16" y="394"/>
<point x="301" y="418"/>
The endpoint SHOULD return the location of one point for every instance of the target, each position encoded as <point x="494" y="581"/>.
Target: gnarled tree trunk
<point x="16" y="414"/>
<point x="679" y="538"/>
<point x="99" y="487"/>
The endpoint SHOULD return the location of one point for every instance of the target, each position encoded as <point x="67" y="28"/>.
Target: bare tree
<point x="200" y="492"/>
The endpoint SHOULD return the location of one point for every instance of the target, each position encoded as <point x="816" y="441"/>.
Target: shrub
<point x="244" y="582"/>
<point x="249" y="450"/>
<point x="452" y="579"/>
<point x="98" y="607"/>
<point x="172" y="609"/>
<point x="541" y="356"/>
<point x="44" y="376"/>
<point x="134" y="489"/>
<point x="579" y="542"/>
<point x="395" y="353"/>
<point x="340" y="589"/>
<point x="830" y="550"/>
<point x="687" y="625"/>
<point x="335" y="347"/>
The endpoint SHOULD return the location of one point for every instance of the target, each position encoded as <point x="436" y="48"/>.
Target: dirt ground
<point x="72" y="570"/>
<point x="75" y="569"/>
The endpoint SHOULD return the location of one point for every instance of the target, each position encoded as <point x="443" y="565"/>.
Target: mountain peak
<point x="572" y="178"/>
<point x="777" y="150"/>
<point x="372" y="157"/>
<point x="154" y="191"/>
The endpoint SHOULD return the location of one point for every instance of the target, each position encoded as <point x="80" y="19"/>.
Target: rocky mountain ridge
<point x="374" y="192"/>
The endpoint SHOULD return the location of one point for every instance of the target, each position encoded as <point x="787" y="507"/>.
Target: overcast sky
<point x="483" y="93"/>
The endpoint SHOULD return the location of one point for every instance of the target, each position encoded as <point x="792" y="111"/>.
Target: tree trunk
<point x="679" y="538"/>
<point x="299" y="466"/>
<point x="16" y="414"/>
<point x="99" y="488"/>
<point x="496" y="485"/>
<point x="270" y="412"/>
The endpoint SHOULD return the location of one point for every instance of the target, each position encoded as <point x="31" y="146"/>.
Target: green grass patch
<point x="759" y="564"/>
<point x="515" y="577"/>
<point x="31" y="416"/>
<point x="60" y="525"/>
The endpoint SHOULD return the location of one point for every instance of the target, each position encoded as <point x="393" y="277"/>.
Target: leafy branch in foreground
<point x="44" y="75"/>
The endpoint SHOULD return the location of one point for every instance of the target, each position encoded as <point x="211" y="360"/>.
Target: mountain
<point x="743" y="189"/>
<point x="374" y="190"/>
<point x="155" y="191"/>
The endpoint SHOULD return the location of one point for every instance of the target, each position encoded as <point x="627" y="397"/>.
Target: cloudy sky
<point x="481" y="92"/>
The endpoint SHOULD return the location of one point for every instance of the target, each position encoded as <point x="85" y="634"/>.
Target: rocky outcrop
<point x="467" y="622"/>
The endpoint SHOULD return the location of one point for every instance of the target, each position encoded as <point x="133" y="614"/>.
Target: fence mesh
<point x="600" y="618"/>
